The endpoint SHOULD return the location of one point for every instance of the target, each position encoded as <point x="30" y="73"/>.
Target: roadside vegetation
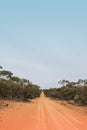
<point x="14" y="88"/>
<point x="73" y="92"/>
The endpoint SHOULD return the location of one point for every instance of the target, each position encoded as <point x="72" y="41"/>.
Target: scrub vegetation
<point x="13" y="87"/>
<point x="74" y="92"/>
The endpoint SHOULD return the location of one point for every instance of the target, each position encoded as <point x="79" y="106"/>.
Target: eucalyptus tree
<point x="16" y="79"/>
<point x="6" y="74"/>
<point x="25" y="82"/>
<point x="1" y="67"/>
<point x="63" y="82"/>
<point x="80" y="82"/>
<point x="13" y="87"/>
<point x="85" y="82"/>
<point x="0" y="71"/>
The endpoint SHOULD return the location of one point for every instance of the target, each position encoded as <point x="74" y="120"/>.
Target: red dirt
<point x="42" y="114"/>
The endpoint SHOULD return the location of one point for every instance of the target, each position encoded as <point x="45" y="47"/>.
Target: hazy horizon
<point x="44" y="41"/>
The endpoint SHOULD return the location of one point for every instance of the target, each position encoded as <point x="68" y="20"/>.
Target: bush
<point x="76" y="98"/>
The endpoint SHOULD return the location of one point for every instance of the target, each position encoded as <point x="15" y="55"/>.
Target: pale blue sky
<point x="44" y="41"/>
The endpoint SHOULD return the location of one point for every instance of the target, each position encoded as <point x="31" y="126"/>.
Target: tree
<point x="25" y="82"/>
<point x="16" y="79"/>
<point x="1" y="67"/>
<point x="0" y="71"/>
<point x="80" y="82"/>
<point x="63" y="82"/>
<point x="7" y="74"/>
<point x="13" y="87"/>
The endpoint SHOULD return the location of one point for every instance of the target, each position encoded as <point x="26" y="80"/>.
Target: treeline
<point x="74" y="92"/>
<point x="13" y="87"/>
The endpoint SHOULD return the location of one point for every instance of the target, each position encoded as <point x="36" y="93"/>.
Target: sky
<point x="44" y="41"/>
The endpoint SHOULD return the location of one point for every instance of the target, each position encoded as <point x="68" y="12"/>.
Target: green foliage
<point x="1" y="67"/>
<point x="76" y="98"/>
<point x="17" y="88"/>
<point x="15" y="79"/>
<point x="71" y="91"/>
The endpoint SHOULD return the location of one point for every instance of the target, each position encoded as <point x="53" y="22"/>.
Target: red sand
<point x="42" y="114"/>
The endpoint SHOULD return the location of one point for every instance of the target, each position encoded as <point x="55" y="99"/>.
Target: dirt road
<point x="42" y="114"/>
